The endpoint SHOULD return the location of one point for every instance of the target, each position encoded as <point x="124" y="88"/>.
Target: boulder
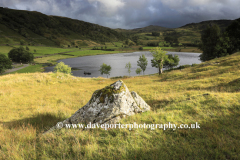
<point x="108" y="106"/>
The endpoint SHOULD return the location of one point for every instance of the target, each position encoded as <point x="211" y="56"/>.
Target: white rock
<point x="109" y="105"/>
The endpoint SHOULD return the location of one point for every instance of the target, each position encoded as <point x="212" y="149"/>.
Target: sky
<point x="129" y="14"/>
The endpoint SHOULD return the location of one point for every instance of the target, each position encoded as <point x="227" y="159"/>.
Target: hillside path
<point x="15" y="69"/>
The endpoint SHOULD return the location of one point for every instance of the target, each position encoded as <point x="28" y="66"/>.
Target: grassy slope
<point x="51" y="30"/>
<point x="207" y="93"/>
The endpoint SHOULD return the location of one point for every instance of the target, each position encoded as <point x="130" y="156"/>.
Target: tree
<point x="126" y="42"/>
<point x="5" y="63"/>
<point x="233" y="31"/>
<point x="157" y="34"/>
<point x="171" y="61"/>
<point x="171" y="40"/>
<point x="142" y="62"/>
<point x="22" y="42"/>
<point x="159" y="57"/>
<point x="128" y="66"/>
<point x="61" y="67"/>
<point x="138" y="70"/>
<point x="20" y="55"/>
<point x="105" y="69"/>
<point x="214" y="44"/>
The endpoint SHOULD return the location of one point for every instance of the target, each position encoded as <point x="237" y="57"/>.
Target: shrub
<point x="5" y="63"/>
<point x="140" y="48"/>
<point x="20" y="55"/>
<point x="61" y="67"/>
<point x="184" y="66"/>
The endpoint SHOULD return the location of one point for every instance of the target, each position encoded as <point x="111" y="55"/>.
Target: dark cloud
<point x="129" y="14"/>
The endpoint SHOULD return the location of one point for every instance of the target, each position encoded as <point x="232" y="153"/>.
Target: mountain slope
<point x="37" y="27"/>
<point x="223" y="24"/>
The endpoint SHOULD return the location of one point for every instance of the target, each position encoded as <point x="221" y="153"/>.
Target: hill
<point x="207" y="94"/>
<point x="223" y="24"/>
<point x="147" y="29"/>
<point x="37" y="28"/>
<point x="188" y="35"/>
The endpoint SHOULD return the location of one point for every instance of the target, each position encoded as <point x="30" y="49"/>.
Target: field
<point x="208" y="93"/>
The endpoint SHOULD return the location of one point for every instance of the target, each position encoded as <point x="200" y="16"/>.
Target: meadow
<point x="208" y="93"/>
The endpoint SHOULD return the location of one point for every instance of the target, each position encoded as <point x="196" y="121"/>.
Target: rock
<point x="108" y="106"/>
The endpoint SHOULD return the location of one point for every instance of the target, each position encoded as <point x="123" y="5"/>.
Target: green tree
<point x="214" y="44"/>
<point x="20" y="55"/>
<point x="61" y="67"/>
<point x="138" y="70"/>
<point x="159" y="58"/>
<point x="171" y="61"/>
<point x="142" y="62"/>
<point x="128" y="66"/>
<point x="126" y="42"/>
<point x="171" y="39"/>
<point x="157" y="34"/>
<point x="233" y="31"/>
<point x="105" y="69"/>
<point x="22" y="42"/>
<point x="5" y="63"/>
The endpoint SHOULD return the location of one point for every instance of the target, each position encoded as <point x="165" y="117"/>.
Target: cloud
<point x="133" y="13"/>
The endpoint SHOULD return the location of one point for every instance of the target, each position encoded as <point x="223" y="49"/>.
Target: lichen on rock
<point x="109" y="105"/>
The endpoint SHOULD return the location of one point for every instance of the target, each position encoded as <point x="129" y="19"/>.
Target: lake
<point x="118" y="62"/>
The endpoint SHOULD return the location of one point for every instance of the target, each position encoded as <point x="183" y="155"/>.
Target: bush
<point x="154" y="44"/>
<point x="140" y="48"/>
<point x="184" y="66"/>
<point x="5" y="63"/>
<point x="20" y="55"/>
<point x="109" y="49"/>
<point x="61" y="67"/>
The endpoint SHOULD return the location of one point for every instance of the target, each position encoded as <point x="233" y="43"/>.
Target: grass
<point x="30" y="69"/>
<point x="51" y="59"/>
<point x="5" y="49"/>
<point x="207" y="93"/>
